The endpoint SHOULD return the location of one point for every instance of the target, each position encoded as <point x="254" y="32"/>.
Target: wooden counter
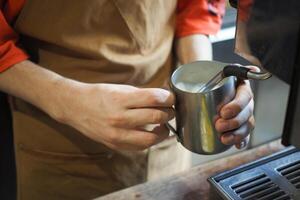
<point x="191" y="184"/>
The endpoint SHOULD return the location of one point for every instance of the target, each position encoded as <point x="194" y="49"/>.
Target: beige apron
<point x="94" y="41"/>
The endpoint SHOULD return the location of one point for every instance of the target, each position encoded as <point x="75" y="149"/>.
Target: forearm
<point x="35" y="85"/>
<point x="193" y="47"/>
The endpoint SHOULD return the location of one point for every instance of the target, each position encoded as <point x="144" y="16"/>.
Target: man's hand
<point x="116" y="115"/>
<point x="236" y="118"/>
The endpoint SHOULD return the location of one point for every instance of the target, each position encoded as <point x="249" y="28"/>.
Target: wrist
<point x="193" y="47"/>
<point x="61" y="95"/>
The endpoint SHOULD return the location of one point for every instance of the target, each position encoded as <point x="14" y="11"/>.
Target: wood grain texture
<point x="192" y="184"/>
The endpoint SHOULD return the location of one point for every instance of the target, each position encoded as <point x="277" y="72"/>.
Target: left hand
<point x="236" y="118"/>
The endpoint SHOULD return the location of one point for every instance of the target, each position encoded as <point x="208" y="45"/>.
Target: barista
<point x="88" y="80"/>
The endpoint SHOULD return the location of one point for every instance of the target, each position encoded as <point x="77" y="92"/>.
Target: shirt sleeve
<point x="10" y="53"/>
<point x="244" y="10"/>
<point x="199" y="17"/>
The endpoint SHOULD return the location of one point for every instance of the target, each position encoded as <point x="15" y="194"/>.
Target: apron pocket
<point x="53" y="175"/>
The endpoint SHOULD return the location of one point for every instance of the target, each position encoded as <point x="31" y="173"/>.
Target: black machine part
<point x="268" y="31"/>
<point x="237" y="70"/>
<point x="275" y="177"/>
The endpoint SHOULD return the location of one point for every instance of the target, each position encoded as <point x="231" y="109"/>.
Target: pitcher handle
<point x="173" y="130"/>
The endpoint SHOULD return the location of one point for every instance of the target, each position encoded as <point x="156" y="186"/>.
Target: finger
<point x="237" y="136"/>
<point x="144" y="116"/>
<point x="243" y="96"/>
<point x="151" y="97"/>
<point x="223" y="125"/>
<point x="135" y="140"/>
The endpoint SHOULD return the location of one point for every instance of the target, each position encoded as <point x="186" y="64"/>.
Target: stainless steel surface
<point x="212" y="82"/>
<point x="258" y="75"/>
<point x="196" y="112"/>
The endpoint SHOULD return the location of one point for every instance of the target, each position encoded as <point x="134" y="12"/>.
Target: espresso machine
<point x="268" y="35"/>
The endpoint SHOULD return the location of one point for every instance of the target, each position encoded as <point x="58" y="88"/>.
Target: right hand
<point x="116" y="115"/>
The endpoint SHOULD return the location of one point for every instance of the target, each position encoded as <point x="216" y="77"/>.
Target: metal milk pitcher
<point x="196" y="110"/>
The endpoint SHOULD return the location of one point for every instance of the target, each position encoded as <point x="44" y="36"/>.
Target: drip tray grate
<point x="276" y="177"/>
<point x="292" y="173"/>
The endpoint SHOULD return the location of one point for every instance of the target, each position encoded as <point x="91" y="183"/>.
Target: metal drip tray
<point x="275" y="177"/>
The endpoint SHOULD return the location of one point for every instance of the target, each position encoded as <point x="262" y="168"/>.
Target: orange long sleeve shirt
<point x="10" y="54"/>
<point x="192" y="17"/>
